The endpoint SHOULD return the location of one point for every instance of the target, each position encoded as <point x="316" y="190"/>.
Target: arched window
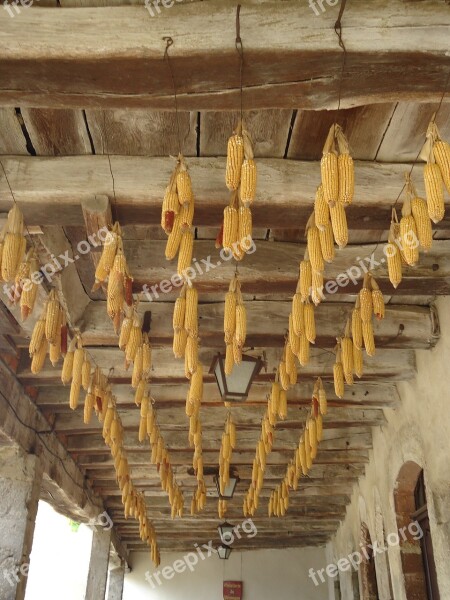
<point x="416" y="550"/>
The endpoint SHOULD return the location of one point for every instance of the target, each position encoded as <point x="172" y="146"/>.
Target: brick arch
<point x="410" y="550"/>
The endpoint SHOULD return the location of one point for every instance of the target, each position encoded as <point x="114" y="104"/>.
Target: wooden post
<point x="20" y="485"/>
<point x="115" y="588"/>
<point x="98" y="565"/>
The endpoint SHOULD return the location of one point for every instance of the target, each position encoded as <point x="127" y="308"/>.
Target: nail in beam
<point x="20" y="486"/>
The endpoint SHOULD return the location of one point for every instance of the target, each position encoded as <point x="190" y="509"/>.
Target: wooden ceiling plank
<point x="142" y="132"/>
<point x="12" y="140"/>
<point x="268" y="130"/>
<point x="392" y="57"/>
<point x="57" y="132"/>
<point x="364" y="127"/>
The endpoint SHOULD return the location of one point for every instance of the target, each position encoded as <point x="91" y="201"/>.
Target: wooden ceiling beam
<point x="268" y="323"/>
<point x="395" y="52"/>
<point x="57" y="186"/>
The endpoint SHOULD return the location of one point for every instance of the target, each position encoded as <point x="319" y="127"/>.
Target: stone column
<point x="20" y="488"/>
<point x="115" y="588"/>
<point x="98" y="565"/>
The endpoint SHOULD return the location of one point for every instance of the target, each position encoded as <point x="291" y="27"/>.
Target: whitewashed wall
<point x="267" y="574"/>
<point x="419" y="431"/>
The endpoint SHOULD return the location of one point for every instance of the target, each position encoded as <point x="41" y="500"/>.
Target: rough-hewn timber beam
<point x="396" y="51"/>
<point x="58" y="186"/>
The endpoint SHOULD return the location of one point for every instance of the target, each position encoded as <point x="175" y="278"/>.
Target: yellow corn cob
<point x="293" y="337"/>
<point x="184" y="185"/>
<point x="245" y="224"/>
<point x="317" y="287"/>
<point x="179" y="343"/>
<point x="248" y="181"/>
<point x="140" y="391"/>
<point x="37" y="362"/>
<point x="339" y="224"/>
<point x="409" y="240"/>
<point x="230" y="227"/>
<point x="423" y="223"/>
<point x="305" y="278"/>
<point x="377" y="300"/>
<point x="303" y="350"/>
<point x="369" y="342"/>
<point x="115" y="297"/>
<point x="179" y="312"/>
<point x="229" y="359"/>
<point x="229" y="324"/>
<point x="191" y="314"/>
<point x="187" y="215"/>
<point x="327" y="242"/>
<point x="441" y="153"/>
<point x="283" y="374"/>
<point x="338" y="376"/>
<point x="346" y="175"/>
<point x="137" y="368"/>
<point x="329" y="173"/>
<point x="15" y="220"/>
<point x="170" y="202"/>
<point x="235" y="158"/>
<point x="86" y="373"/>
<point x="434" y="189"/>
<point x="12" y="254"/>
<point x="357" y="361"/>
<point x="314" y="248"/>
<point x="67" y="368"/>
<point x="237" y="351"/>
<point x="357" y="326"/>
<point x="55" y="351"/>
<point x="394" y="258"/>
<point x="323" y="405"/>
<point x="310" y="325"/>
<point x="174" y="238"/>
<point x="290" y="364"/>
<point x="125" y="331"/>
<point x="185" y="253"/>
<point x="88" y="406"/>
<point x="298" y="320"/>
<point x="196" y="387"/>
<point x="106" y="260"/>
<point x="78" y="360"/>
<point x="134" y="341"/>
<point x="241" y="324"/>
<point x="74" y="394"/>
<point x="365" y="300"/>
<point x="347" y="356"/>
<point x="282" y="405"/>
<point x="321" y="209"/>
<point x="52" y="318"/>
<point x="37" y="336"/>
<point x="192" y="354"/>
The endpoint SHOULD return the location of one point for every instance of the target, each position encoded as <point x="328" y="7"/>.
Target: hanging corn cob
<point x="226" y="448"/>
<point x="235" y="324"/>
<point x="346" y="345"/>
<point x="420" y="215"/>
<point x="338" y="374"/>
<point x="408" y="234"/>
<point x="436" y="153"/>
<point x="13" y="244"/>
<point x="393" y="251"/>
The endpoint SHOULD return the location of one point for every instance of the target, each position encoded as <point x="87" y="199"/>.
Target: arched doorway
<point x="368" y="581"/>
<point x="416" y="550"/>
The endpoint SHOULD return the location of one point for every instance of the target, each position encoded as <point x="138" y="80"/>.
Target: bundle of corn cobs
<point x="49" y="334"/>
<point x="234" y="325"/>
<point x="25" y="288"/>
<point x="177" y="214"/>
<point x="338" y="181"/>
<point x="302" y="327"/>
<point x="76" y="370"/>
<point x="436" y="153"/>
<point x="193" y="402"/>
<point x="240" y="178"/>
<point x="304" y="454"/>
<point x="414" y="232"/>
<point x="276" y="408"/>
<point x="320" y="249"/>
<point x="358" y="332"/>
<point x="226" y="448"/>
<point x="112" y="267"/>
<point x="185" y="328"/>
